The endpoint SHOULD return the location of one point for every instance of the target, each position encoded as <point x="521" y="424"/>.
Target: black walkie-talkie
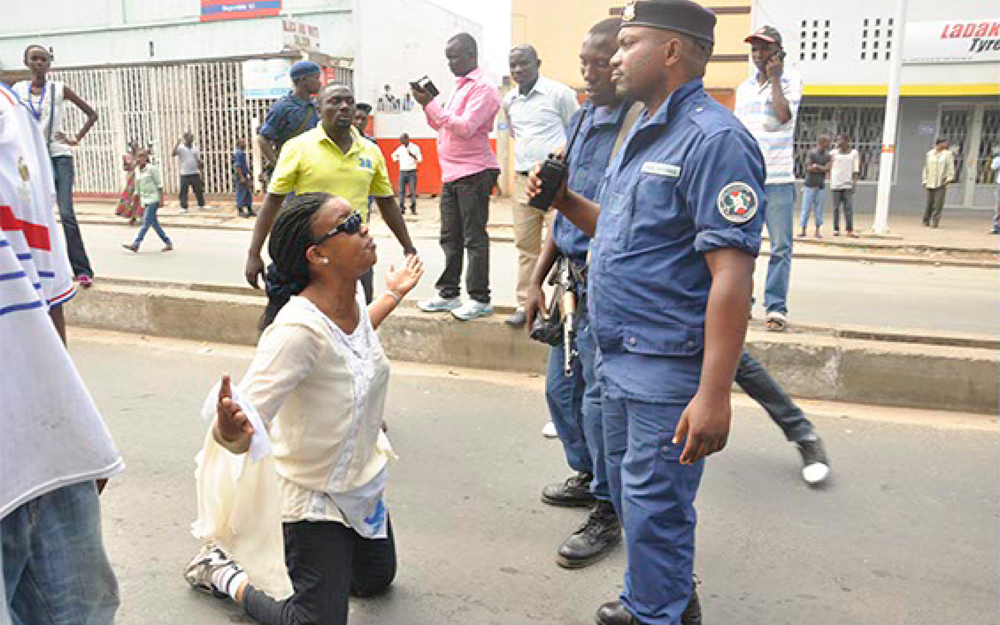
<point x="554" y="171"/>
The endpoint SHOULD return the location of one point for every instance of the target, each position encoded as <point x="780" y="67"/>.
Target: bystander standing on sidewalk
<point x="817" y="168"/>
<point x="408" y="156"/>
<point x="939" y="172"/>
<point x="241" y="173"/>
<point x="46" y="99"/>
<point x="539" y="112"/>
<point x="469" y="170"/>
<point x="149" y="184"/>
<point x="55" y="450"/>
<point x="845" y="167"/>
<point x="768" y="103"/>
<point x="189" y="160"/>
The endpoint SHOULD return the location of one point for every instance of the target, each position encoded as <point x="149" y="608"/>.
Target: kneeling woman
<point x="318" y="380"/>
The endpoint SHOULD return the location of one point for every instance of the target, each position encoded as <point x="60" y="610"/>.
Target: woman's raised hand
<point x="402" y="281"/>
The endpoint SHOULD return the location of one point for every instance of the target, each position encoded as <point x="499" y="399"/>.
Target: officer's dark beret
<point x="303" y="68"/>
<point x="682" y="16"/>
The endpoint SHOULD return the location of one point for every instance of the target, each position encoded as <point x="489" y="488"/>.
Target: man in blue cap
<point x="291" y="115"/>
<point x="674" y="243"/>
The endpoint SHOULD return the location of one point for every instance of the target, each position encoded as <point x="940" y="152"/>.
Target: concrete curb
<point x="934" y="372"/>
<point x="499" y="234"/>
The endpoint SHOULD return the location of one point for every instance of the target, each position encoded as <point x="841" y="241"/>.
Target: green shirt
<point x="148" y="184"/>
<point x="312" y="162"/>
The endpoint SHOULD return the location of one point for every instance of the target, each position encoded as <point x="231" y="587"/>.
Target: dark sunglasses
<point x="351" y="225"/>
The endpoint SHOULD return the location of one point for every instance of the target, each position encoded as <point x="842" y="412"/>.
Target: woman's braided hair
<point x="291" y="236"/>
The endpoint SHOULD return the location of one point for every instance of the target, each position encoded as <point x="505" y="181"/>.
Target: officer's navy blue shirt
<point x="688" y="180"/>
<point x="240" y="164"/>
<point x="287" y="118"/>
<point x="588" y="162"/>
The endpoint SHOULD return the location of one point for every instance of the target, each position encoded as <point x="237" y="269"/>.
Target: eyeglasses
<point x="351" y="225"/>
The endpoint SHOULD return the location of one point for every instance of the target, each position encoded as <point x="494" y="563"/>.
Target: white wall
<point x="99" y="32"/>
<point x="398" y="41"/>
<point x="844" y="65"/>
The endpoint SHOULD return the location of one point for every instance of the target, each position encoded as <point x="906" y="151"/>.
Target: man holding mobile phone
<point x="768" y="103"/>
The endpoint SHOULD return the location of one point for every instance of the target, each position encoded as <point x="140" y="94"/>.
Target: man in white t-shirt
<point x="768" y="103"/>
<point x="845" y="167"/>
<point x="408" y="156"/>
<point x="55" y="448"/>
<point x="190" y="163"/>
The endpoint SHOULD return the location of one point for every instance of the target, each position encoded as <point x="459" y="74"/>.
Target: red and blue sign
<point x="215" y="10"/>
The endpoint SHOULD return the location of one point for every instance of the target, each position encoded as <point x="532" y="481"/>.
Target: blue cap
<point x="303" y="68"/>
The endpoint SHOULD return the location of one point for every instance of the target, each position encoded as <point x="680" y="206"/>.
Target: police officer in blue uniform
<point x="293" y="114"/>
<point x="575" y="402"/>
<point x="675" y="238"/>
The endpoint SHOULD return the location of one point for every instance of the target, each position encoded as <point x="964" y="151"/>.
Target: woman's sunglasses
<point x="351" y="225"/>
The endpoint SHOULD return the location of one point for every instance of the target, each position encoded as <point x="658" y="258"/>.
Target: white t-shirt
<point x="776" y="140"/>
<point x="408" y="156"/>
<point x="51" y="434"/>
<point x="48" y="109"/>
<point x="842" y="168"/>
<point x="188" y="158"/>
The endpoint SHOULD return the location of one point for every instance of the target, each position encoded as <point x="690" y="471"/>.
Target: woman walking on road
<point x="129" y="205"/>
<point x="318" y="383"/>
<point x="149" y="185"/>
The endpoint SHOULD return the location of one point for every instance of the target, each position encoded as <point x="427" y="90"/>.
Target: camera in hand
<point x="553" y="174"/>
<point x="425" y="84"/>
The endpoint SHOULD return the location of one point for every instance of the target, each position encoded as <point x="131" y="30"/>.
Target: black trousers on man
<point x="327" y="563"/>
<point x="465" y="211"/>
<point x="194" y="181"/>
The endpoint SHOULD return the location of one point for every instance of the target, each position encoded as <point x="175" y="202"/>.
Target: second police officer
<point x="676" y="234"/>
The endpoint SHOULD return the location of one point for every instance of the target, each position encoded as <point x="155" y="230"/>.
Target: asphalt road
<point x="905" y="534"/>
<point x="919" y="297"/>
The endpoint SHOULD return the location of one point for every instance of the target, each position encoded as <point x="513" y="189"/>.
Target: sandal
<point x="776" y="322"/>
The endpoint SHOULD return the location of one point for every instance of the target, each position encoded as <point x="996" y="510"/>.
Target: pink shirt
<point x="464" y="127"/>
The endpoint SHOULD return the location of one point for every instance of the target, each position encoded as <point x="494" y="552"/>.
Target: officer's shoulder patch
<point x="738" y="202"/>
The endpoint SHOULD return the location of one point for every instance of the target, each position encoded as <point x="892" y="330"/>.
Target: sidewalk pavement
<point x="963" y="238"/>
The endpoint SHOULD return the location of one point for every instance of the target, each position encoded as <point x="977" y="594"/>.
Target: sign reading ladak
<point x="215" y="10"/>
<point x="958" y="41"/>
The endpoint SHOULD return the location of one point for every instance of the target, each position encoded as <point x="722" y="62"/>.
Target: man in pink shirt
<point x="469" y="170"/>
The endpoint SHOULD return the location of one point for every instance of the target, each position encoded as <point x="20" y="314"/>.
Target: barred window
<point x="988" y="147"/>
<point x="862" y="123"/>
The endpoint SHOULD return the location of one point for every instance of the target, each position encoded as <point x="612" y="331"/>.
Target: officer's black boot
<point x="614" y="613"/>
<point x="593" y="540"/>
<point x="573" y="493"/>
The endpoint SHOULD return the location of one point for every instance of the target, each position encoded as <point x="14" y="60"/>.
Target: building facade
<point x="949" y="87"/>
<point x="156" y="70"/>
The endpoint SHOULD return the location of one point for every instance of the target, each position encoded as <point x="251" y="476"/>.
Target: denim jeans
<point x="756" y="382"/>
<point x="575" y="407"/>
<point x="55" y="570"/>
<point x="64" y="174"/>
<point x="408" y="178"/>
<point x="812" y="203"/>
<point x="778" y="219"/>
<point x="150" y="220"/>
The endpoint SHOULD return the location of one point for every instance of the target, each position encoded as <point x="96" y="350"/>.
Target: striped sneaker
<point x="208" y="560"/>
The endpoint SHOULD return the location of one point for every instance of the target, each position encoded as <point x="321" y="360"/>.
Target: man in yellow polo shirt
<point x="331" y="158"/>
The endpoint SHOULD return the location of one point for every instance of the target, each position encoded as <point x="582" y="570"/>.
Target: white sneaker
<point x="549" y="430"/>
<point x="208" y="560"/>
<point x="472" y="310"/>
<point x="439" y="304"/>
<point x="183" y="211"/>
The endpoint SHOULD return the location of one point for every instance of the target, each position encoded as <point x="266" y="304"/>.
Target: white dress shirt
<point x="539" y="120"/>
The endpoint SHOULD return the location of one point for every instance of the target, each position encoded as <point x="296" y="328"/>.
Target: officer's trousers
<point x="654" y="496"/>
<point x="575" y="407"/>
